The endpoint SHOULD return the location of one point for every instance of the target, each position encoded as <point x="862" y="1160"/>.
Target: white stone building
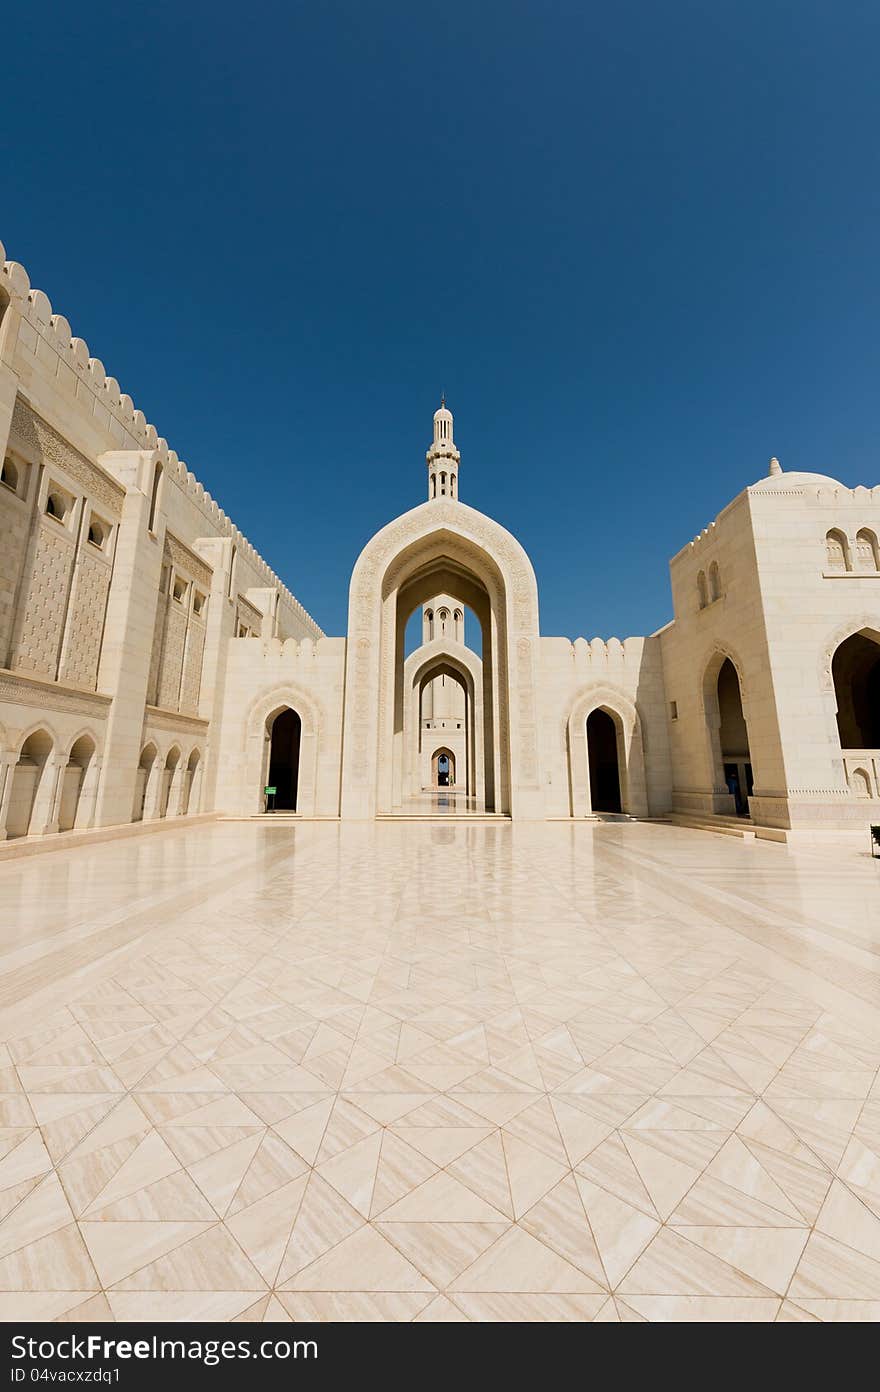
<point x="154" y="667"/>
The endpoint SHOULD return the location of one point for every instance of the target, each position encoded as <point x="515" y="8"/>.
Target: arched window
<point x="714" y="582"/>
<point x="57" y="505"/>
<point x="9" y="474"/>
<point x="836" y="551"/>
<point x="154" y="496"/>
<point x="702" y="593"/>
<point x="443" y="484"/>
<point x="866" y="550"/>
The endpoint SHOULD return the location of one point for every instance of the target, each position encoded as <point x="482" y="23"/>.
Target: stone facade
<point x="153" y="666"/>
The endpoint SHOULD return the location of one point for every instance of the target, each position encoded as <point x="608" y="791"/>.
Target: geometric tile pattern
<point x="429" y="1073"/>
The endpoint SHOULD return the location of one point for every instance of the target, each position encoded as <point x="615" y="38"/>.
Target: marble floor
<point x="440" y="1072"/>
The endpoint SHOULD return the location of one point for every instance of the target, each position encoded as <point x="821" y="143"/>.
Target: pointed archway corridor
<point x="549" y="1116"/>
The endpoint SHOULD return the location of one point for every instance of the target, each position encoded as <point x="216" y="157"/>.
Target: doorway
<point x="443" y="768"/>
<point x="734" y="736"/>
<point x="285" y="735"/>
<point x="603" y="760"/>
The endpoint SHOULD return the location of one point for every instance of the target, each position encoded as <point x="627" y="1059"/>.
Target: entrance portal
<point x="734" y="738"/>
<point x="286" y="733"/>
<point x="856" y="672"/>
<point x="604" y="766"/>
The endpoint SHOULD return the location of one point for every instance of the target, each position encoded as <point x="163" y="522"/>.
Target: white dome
<point x="782" y="482"/>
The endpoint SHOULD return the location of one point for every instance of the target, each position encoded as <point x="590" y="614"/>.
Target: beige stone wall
<point x="784" y="604"/>
<point x="263" y="677"/>
<point x="626" y="679"/>
<point x="87" y="599"/>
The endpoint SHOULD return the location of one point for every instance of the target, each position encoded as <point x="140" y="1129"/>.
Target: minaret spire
<point x="443" y="458"/>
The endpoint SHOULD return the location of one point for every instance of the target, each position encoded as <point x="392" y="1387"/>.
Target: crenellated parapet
<point x="596" y="654"/>
<point x="85" y="381"/>
<point x="300" y="654"/>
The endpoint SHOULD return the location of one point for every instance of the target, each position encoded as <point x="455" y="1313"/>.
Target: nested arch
<point x="441" y="547"/>
<point x="438" y="658"/>
<point x="623" y="714"/>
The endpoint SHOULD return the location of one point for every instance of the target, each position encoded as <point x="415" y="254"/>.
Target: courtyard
<point x="415" y="1071"/>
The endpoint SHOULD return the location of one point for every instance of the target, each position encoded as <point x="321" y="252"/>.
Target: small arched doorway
<point x="285" y="738"/>
<point x="734" y="736"/>
<point x="443" y="768"/>
<point x="604" y="763"/>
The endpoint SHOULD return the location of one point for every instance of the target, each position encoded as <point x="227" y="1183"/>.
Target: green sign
<point x="267" y="791"/>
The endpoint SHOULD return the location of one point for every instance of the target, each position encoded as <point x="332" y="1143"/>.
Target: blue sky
<point x="636" y="244"/>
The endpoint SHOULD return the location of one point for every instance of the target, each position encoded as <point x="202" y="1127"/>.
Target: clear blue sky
<point x="636" y="243"/>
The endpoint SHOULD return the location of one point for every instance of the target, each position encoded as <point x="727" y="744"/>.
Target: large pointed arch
<point x="441" y="544"/>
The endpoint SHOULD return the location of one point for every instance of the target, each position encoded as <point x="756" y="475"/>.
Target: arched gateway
<point x="482" y="717"/>
<point x="443" y="546"/>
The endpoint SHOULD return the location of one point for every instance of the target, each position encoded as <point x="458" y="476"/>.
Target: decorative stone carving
<point x="42" y="444"/>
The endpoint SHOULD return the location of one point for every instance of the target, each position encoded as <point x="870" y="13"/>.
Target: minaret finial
<point x="443" y="458"/>
<point x="775" y="467"/>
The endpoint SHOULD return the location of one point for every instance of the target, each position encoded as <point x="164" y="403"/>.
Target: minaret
<point x="443" y="458"/>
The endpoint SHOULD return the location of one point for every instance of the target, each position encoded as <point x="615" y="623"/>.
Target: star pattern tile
<point x="427" y="1073"/>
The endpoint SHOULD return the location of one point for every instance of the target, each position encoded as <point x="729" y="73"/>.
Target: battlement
<point x="85" y="381"/>
<point x="300" y="652"/>
<point x="596" y="653"/>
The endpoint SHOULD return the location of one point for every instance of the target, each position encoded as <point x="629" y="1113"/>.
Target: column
<point x="128" y="633"/>
<point x="88" y="797"/>
<point x="47" y="803"/>
<point x="8" y="762"/>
